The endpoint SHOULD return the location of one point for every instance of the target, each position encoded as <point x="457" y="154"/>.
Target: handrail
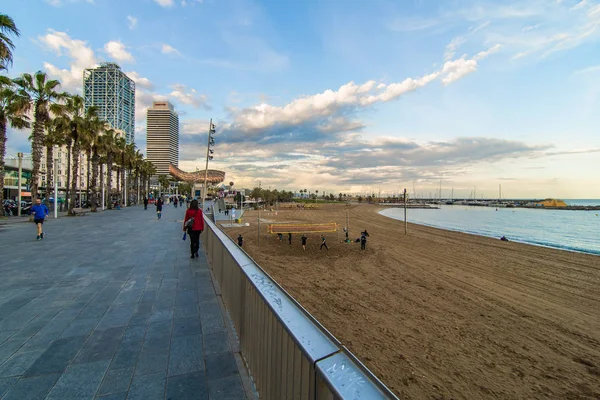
<point x="289" y="354"/>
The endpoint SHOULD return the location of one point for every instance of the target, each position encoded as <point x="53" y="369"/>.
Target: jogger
<point x="39" y="212"/>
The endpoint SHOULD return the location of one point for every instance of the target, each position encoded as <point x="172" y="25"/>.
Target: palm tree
<point x="55" y="136"/>
<point x="92" y="126"/>
<point x="128" y="157"/>
<point x="7" y="27"/>
<point x="74" y="123"/>
<point x="42" y="96"/>
<point x="137" y="164"/>
<point x="163" y="181"/>
<point x="107" y="146"/>
<point x="12" y="112"/>
<point x="99" y="128"/>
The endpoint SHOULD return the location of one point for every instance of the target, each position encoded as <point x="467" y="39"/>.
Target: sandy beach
<point x="444" y="315"/>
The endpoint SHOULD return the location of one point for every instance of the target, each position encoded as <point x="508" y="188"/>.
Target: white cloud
<point x="164" y="3"/>
<point x="139" y="81"/>
<point x="452" y="46"/>
<point x="132" y="22"/>
<point x="117" y="50"/>
<point x="588" y="70"/>
<point x="483" y="54"/>
<point x="454" y="70"/>
<point x="82" y="57"/>
<point x="579" y="5"/>
<point x="166" y="49"/>
<point x="58" y="3"/>
<point x="191" y="97"/>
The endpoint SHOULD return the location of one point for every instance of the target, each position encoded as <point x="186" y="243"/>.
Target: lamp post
<point x="20" y="158"/>
<point x="55" y="188"/>
<point x="102" y="177"/>
<point x="405" y="223"/>
<point x="209" y="152"/>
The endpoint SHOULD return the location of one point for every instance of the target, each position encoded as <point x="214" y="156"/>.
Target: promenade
<point x="110" y="306"/>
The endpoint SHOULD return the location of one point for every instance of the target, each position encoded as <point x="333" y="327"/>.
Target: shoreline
<point x="570" y="249"/>
<point x="444" y="314"/>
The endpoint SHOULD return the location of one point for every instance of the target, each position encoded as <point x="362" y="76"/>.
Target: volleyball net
<point x="303" y="228"/>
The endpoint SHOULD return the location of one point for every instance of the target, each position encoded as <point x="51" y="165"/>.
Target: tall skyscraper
<point x="162" y="136"/>
<point x="113" y="94"/>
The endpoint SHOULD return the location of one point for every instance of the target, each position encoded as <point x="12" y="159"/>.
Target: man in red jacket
<point x="194" y="224"/>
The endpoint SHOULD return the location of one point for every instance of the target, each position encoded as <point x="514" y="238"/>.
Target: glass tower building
<point x="113" y="94"/>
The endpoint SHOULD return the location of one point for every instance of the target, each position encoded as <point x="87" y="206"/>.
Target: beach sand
<point x="444" y="315"/>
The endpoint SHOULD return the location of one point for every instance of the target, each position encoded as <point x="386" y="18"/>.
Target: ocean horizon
<point x="560" y="229"/>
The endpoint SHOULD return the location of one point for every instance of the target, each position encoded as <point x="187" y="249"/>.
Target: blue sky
<point x="350" y="96"/>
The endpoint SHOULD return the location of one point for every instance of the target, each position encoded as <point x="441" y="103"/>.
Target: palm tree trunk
<point x="94" y="188"/>
<point x="68" y="183"/>
<point x="2" y="154"/>
<point x="88" y="158"/>
<point x="36" y="151"/>
<point x="118" y="183"/>
<point x="75" y="177"/>
<point x="49" y="172"/>
<point x="108" y="180"/>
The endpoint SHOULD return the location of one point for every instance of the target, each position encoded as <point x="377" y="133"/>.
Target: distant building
<point x="113" y="94"/>
<point x="162" y="136"/>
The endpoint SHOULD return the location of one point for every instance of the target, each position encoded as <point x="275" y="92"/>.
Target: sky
<point x="345" y="95"/>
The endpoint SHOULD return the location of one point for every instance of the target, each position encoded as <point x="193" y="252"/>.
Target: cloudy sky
<point x="349" y="95"/>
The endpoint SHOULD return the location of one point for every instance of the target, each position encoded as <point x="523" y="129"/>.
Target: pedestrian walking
<point x="39" y="212"/>
<point x="175" y="201"/>
<point x="145" y="203"/>
<point x="363" y="240"/>
<point x="240" y="240"/>
<point x="280" y="236"/>
<point x="159" y="206"/>
<point x="304" y="241"/>
<point x="290" y="237"/>
<point x="323" y="243"/>
<point x="193" y="223"/>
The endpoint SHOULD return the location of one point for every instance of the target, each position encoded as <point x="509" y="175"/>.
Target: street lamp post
<point x="20" y="157"/>
<point x="103" y="177"/>
<point x="209" y="152"/>
<point x="405" y="223"/>
<point x="55" y="188"/>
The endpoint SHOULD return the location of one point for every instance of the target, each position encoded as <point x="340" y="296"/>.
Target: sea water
<point x="561" y="229"/>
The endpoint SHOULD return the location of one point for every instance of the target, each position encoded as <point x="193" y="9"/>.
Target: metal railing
<point x="288" y="353"/>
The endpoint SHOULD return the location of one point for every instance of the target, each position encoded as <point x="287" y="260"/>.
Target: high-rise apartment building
<point x="113" y="94"/>
<point x="162" y="136"/>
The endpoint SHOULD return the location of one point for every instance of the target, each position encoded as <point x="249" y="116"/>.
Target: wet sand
<point x="444" y="315"/>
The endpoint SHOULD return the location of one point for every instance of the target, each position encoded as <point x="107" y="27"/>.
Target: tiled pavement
<point x="110" y="306"/>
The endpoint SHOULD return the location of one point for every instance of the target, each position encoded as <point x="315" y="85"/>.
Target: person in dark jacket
<point x="196" y="228"/>
<point x="159" y="206"/>
<point x="323" y="243"/>
<point x="240" y="240"/>
<point x="303" y="238"/>
<point x="39" y="212"/>
<point x="145" y="203"/>
<point x="363" y="241"/>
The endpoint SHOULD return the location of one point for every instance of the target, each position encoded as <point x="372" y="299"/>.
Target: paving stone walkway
<point x="110" y="306"/>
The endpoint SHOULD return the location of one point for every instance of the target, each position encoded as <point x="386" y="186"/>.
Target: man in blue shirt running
<point x="39" y="212"/>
